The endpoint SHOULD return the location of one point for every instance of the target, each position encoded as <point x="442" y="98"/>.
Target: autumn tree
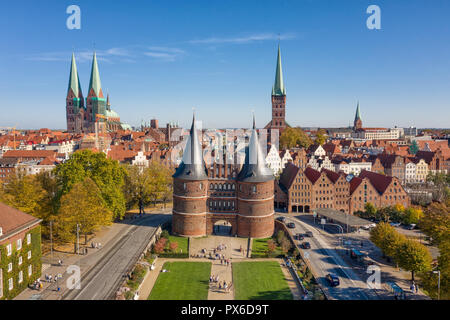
<point x="412" y="215"/>
<point x="321" y="137"/>
<point x="271" y="246"/>
<point x="84" y="206"/>
<point x="293" y="137"/>
<point x="107" y="174"/>
<point x="435" y="222"/>
<point x="385" y="237"/>
<point x="173" y="246"/>
<point x="413" y="256"/>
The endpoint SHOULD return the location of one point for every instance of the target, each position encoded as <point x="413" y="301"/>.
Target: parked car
<point x="333" y="280"/>
<point x="411" y="226"/>
<point x="309" y="234"/>
<point x="306" y="245"/>
<point x="291" y="225"/>
<point x="282" y="219"/>
<point x="299" y="237"/>
<point x="395" y="224"/>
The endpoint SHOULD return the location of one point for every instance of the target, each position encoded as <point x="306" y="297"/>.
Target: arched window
<point x="254" y="189"/>
<point x="184" y="186"/>
<point x="233" y="186"/>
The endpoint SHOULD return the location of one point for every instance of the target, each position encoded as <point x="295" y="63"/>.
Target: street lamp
<point x="439" y="282"/>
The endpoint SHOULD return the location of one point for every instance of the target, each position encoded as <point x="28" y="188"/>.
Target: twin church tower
<point x="94" y="114"/>
<point x="202" y="201"/>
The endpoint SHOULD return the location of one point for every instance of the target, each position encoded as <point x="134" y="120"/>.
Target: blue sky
<point x="162" y="58"/>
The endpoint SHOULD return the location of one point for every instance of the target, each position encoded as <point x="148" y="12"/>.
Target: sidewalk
<point x="107" y="236"/>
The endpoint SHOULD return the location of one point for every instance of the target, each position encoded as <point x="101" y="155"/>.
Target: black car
<point x="306" y="245"/>
<point x="291" y="225"/>
<point x="299" y="237"/>
<point x="333" y="280"/>
<point x="282" y="219"/>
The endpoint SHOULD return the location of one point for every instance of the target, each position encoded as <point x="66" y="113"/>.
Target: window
<point x="10" y="267"/>
<point x="201" y="185"/>
<point x="30" y="270"/>
<point x="20" y="276"/>
<point x="20" y="260"/>
<point x="254" y="189"/>
<point x="10" y="284"/>
<point x="8" y="249"/>
<point x="19" y="244"/>
<point x="29" y="255"/>
<point x="29" y="238"/>
<point x="184" y="186"/>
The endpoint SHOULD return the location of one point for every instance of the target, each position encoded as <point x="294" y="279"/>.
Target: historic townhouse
<point x="20" y="251"/>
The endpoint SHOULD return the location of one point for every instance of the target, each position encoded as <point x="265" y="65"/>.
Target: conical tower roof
<point x="74" y="80"/>
<point x="357" y="115"/>
<point x="278" y="87"/>
<point x="94" y="82"/>
<point x="193" y="166"/>
<point x="254" y="168"/>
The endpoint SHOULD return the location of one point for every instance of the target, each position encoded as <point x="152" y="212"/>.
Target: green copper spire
<point x="95" y="83"/>
<point x="278" y="88"/>
<point x="74" y="80"/>
<point x="358" y="115"/>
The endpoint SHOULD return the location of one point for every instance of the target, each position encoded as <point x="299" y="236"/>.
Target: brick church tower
<point x="190" y="190"/>
<point x="278" y="99"/>
<point x="95" y="101"/>
<point x="255" y="193"/>
<point x="74" y="101"/>
<point x="357" y="124"/>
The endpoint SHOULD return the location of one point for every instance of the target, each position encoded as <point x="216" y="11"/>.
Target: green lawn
<point x="259" y="249"/>
<point x="184" y="281"/>
<point x="182" y="243"/>
<point x="260" y="281"/>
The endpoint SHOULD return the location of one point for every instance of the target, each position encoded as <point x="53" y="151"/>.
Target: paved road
<point x="324" y="260"/>
<point x="103" y="279"/>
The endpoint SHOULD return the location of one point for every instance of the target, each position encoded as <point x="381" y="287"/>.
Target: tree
<point x="271" y="246"/>
<point x="137" y="187"/>
<point x="385" y="237"/>
<point x="173" y="246"/>
<point x="370" y="210"/>
<point x="413" y="256"/>
<point x="412" y="215"/>
<point x="160" y="181"/>
<point x="160" y="245"/>
<point x="25" y="194"/>
<point x="84" y="206"/>
<point x="435" y="222"/>
<point x="293" y="137"/>
<point x="413" y="148"/>
<point x="107" y="174"/>
<point x="320" y="137"/>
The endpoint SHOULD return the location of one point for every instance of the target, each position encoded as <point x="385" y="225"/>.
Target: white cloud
<point x="243" y="39"/>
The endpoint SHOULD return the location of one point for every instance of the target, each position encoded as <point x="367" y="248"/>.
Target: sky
<point x="160" y="59"/>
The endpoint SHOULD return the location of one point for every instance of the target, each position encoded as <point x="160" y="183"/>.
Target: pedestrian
<point x="220" y="286"/>
<point x="412" y="287"/>
<point x="417" y="288"/>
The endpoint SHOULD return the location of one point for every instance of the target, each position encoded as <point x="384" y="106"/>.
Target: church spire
<point x="193" y="166"/>
<point x="278" y="87"/>
<point x="74" y="80"/>
<point x="358" y="115"/>
<point x="94" y="83"/>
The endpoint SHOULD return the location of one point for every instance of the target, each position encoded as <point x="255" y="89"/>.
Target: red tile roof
<point x="379" y="181"/>
<point x="14" y="220"/>
<point x="288" y="175"/>
<point x="311" y="174"/>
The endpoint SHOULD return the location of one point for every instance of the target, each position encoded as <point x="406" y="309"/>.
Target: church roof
<point x="74" y="80"/>
<point x="94" y="82"/>
<point x="357" y="115"/>
<point x="278" y="87"/>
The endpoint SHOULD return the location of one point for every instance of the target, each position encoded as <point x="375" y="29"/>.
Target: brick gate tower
<point x="255" y="193"/>
<point x="190" y="190"/>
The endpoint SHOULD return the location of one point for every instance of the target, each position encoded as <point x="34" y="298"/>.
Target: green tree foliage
<point x="321" y="137"/>
<point x="413" y="256"/>
<point x="25" y="194"/>
<point x="82" y="205"/>
<point x="387" y="239"/>
<point x="370" y="210"/>
<point x="435" y="222"/>
<point x="147" y="185"/>
<point x="414" y="147"/>
<point x="412" y="215"/>
<point x="107" y="174"/>
<point x="293" y="137"/>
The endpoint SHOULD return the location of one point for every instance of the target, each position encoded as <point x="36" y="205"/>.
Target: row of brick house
<point x="303" y="190"/>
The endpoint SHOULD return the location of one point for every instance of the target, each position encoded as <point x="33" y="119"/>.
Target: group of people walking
<point x="221" y="285"/>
